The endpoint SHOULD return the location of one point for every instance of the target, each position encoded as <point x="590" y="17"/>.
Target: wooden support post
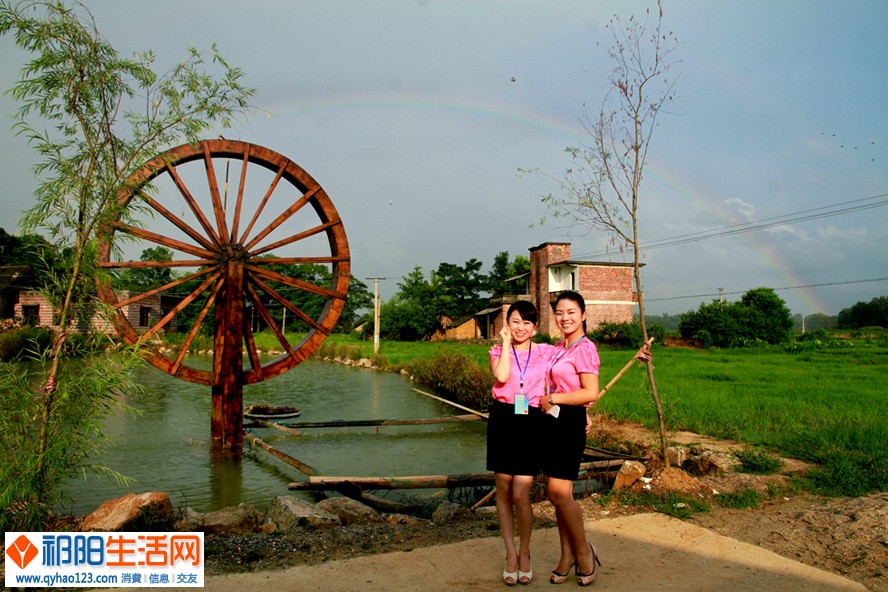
<point x="451" y="403"/>
<point x="353" y="423"/>
<point x="604" y="467"/>
<point x="227" y="422"/>
<point x="484" y="500"/>
<point x="293" y="462"/>
<point x="622" y="371"/>
<point x="276" y="426"/>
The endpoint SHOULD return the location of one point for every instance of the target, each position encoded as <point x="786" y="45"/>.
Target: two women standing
<point x="538" y="423"/>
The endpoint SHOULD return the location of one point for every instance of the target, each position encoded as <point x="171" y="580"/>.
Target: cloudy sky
<point x="416" y="116"/>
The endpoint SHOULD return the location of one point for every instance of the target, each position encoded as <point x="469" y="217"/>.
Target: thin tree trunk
<point x="49" y="387"/>
<point x="661" y="420"/>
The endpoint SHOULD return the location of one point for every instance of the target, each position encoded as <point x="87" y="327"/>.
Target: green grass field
<point x="828" y="406"/>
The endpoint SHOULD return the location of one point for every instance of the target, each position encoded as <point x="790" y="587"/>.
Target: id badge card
<point x="521" y="404"/>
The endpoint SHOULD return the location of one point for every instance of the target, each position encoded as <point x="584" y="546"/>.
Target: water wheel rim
<point x="214" y="242"/>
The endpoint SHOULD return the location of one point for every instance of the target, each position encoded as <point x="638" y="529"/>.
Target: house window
<point x="144" y="315"/>
<point x="31" y="314"/>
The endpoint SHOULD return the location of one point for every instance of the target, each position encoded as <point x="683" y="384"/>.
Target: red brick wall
<point x="540" y="258"/>
<point x="99" y="322"/>
<point x="607" y="289"/>
<point x="33" y="299"/>
<point x="606" y="283"/>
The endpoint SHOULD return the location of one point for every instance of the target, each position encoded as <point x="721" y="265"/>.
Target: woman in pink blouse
<point x="573" y="386"/>
<point x="514" y="431"/>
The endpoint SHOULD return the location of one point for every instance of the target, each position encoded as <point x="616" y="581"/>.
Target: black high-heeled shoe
<point x="588" y="578"/>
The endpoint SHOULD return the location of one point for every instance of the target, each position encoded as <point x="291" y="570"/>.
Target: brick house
<point x="606" y="287"/>
<point x="20" y="301"/>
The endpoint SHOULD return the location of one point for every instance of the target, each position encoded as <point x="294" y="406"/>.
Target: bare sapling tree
<point x="602" y="190"/>
<point x="93" y="117"/>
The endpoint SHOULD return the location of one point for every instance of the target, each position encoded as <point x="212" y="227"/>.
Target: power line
<point x="793" y="217"/>
<point x="845" y="283"/>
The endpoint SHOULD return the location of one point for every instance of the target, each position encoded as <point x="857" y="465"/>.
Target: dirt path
<point x="846" y="536"/>
<point x="639" y="552"/>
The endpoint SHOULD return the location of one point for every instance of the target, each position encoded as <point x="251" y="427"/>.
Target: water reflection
<point x="167" y="446"/>
<point x="227" y="479"/>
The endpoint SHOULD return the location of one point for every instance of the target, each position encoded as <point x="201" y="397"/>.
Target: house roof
<point x="595" y="263"/>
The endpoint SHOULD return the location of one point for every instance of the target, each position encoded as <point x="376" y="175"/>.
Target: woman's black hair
<point x="573" y="297"/>
<point x="526" y="310"/>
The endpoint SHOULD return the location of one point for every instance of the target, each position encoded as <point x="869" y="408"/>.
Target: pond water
<point x="167" y="445"/>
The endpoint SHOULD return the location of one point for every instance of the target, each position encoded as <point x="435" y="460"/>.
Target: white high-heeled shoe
<point x="588" y="578"/>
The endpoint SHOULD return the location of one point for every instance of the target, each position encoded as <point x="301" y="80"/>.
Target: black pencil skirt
<point x="514" y="442"/>
<point x="565" y="440"/>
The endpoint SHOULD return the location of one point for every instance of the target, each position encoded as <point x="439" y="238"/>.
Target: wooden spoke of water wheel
<point x="232" y="266"/>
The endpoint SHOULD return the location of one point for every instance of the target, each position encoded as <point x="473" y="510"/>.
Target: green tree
<point x="769" y="318"/>
<point x="460" y="290"/>
<point x="865" y="314"/>
<point x="761" y="315"/>
<point x="518" y="267"/>
<point x="31" y="250"/>
<point x="142" y="279"/>
<point x="108" y="115"/>
<point x="411" y="314"/>
<point x="499" y="273"/>
<point x="502" y="270"/>
<point x="712" y="324"/>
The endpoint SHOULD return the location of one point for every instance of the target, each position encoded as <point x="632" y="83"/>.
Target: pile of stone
<point x="154" y="511"/>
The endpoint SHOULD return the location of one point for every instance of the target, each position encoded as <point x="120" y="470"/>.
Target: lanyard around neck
<point x="522" y="371"/>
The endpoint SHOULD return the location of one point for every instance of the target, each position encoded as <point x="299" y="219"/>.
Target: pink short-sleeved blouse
<point x="566" y="365"/>
<point x="534" y="363"/>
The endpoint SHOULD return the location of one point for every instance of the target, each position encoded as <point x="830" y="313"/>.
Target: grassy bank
<point x="828" y="407"/>
<point x="825" y="406"/>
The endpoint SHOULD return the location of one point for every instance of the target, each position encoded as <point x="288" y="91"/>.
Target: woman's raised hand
<point x="506" y="334"/>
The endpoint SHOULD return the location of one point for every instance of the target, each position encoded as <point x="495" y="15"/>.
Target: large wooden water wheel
<point x="229" y="268"/>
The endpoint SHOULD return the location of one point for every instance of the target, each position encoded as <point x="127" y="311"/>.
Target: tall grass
<point x="89" y="389"/>
<point x="827" y="407"/>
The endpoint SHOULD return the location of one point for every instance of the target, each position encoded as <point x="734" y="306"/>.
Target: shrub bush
<point x="625" y="334"/>
<point x="815" y="340"/>
<point x="456" y="377"/>
<point x="545" y="338"/>
<point x="18" y="343"/>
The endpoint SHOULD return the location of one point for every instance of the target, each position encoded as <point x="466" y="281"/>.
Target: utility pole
<point x="721" y="295"/>
<point x="375" y="313"/>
